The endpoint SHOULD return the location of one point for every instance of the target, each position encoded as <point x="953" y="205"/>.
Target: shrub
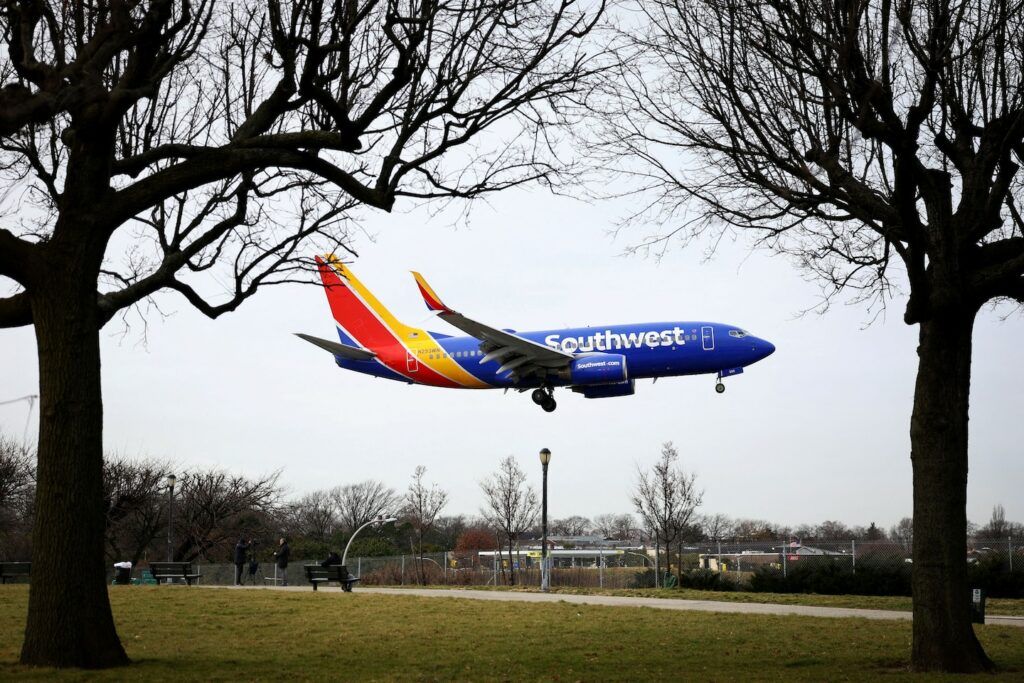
<point x="708" y="580"/>
<point x="993" y="574"/>
<point x="642" y="579"/>
<point x="766" y="579"/>
<point x="828" y="576"/>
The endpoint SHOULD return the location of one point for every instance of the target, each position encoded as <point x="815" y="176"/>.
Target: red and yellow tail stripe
<point x="410" y="351"/>
<point x="430" y="297"/>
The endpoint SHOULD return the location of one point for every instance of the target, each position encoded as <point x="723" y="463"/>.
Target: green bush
<point x="993" y="574"/>
<point x="642" y="579"/>
<point x="708" y="580"/>
<point x="827" y="576"/>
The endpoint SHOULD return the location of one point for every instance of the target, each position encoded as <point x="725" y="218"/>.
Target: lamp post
<point x="545" y="581"/>
<point x="170" y="516"/>
<point x="379" y="520"/>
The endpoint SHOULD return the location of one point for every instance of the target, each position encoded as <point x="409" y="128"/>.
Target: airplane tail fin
<point x="362" y="320"/>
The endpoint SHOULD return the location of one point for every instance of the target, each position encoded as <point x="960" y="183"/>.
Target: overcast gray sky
<point x="819" y="430"/>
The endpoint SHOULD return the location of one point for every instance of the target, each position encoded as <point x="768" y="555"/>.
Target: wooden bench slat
<point x="14" y="570"/>
<point x="336" y="573"/>
<point x="173" y="570"/>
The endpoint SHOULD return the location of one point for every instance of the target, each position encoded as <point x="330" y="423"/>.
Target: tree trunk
<point x="511" y="564"/>
<point x="657" y="560"/>
<point x="943" y="637"/>
<point x="69" y="619"/>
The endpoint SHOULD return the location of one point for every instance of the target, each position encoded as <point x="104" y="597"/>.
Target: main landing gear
<point x="545" y="398"/>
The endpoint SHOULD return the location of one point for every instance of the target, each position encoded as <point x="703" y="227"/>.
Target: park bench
<point x="336" y="573"/>
<point x="165" y="571"/>
<point x="14" y="570"/>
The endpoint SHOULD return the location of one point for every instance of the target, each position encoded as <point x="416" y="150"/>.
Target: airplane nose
<point x="764" y="348"/>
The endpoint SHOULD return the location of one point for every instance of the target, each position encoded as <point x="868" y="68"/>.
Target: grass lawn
<point x="175" y="633"/>
<point x="1002" y="607"/>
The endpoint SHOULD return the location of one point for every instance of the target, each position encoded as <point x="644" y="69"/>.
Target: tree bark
<point x="69" y="619"/>
<point x="511" y="564"/>
<point x="943" y="637"/>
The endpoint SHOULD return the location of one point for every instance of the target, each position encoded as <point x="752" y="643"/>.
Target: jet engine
<point x="627" y="388"/>
<point x="598" y="368"/>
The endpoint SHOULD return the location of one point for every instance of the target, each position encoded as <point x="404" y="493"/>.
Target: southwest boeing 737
<point x="598" y="362"/>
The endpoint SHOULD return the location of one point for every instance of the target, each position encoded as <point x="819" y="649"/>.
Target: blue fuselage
<point x="650" y="350"/>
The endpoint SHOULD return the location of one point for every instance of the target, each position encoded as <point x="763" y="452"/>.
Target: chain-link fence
<point x="748" y="556"/>
<point x="881" y="567"/>
<point x="605" y="568"/>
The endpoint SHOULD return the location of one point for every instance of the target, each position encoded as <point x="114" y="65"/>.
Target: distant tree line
<point x="213" y="509"/>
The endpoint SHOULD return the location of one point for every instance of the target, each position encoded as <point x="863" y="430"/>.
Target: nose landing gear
<point x="545" y="398"/>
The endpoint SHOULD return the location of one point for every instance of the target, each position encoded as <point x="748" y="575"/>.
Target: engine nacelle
<point x="627" y="388"/>
<point x="598" y="368"/>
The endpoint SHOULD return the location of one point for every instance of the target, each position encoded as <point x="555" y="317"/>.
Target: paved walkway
<point x="666" y="603"/>
<point x="656" y="603"/>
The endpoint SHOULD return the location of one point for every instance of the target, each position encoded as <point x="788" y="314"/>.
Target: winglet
<point x="430" y="297"/>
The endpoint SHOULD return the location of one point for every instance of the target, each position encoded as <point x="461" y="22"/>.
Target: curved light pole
<point x="646" y="559"/>
<point x="170" y="516"/>
<point x="379" y="520"/>
<point x="428" y="559"/>
<point x="545" y="580"/>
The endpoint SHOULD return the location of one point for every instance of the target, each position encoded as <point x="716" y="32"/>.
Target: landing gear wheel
<point x="549" y="405"/>
<point x="720" y="388"/>
<point x="539" y="396"/>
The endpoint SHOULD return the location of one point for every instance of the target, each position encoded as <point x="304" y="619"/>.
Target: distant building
<point x="750" y="560"/>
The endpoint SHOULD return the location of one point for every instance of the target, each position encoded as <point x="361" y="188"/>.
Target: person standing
<point x="241" y="550"/>
<point x="282" y="559"/>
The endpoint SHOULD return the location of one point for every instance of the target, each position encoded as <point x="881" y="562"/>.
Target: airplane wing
<point x="341" y="350"/>
<point x="518" y="355"/>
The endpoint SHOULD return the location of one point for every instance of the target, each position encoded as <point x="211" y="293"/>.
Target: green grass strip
<point x="175" y="633"/>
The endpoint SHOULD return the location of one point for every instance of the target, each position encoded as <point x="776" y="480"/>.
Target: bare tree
<point x="510" y="505"/>
<point x="17" y="490"/>
<point x="420" y="507"/>
<point x="619" y="527"/>
<point x="571" y="526"/>
<point x="448" y="528"/>
<point x="666" y="498"/>
<point x="903" y="532"/>
<point x="136" y="506"/>
<point x="224" y="140"/>
<point x="357" y="504"/>
<point x="214" y="509"/>
<point x="878" y="142"/>
<point x="997" y="526"/>
<point x="717" y="526"/>
<point x="831" y="530"/>
<point x="314" y="516"/>
<point x="759" y="530"/>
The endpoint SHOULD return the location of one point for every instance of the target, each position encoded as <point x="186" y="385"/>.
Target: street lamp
<point x="545" y="580"/>
<point x="379" y="520"/>
<point x="170" y="516"/>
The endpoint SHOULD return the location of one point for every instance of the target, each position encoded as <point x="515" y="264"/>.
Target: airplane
<point x="598" y="362"/>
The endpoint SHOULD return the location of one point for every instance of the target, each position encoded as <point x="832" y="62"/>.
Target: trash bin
<point x="122" y="575"/>
<point x="978" y="606"/>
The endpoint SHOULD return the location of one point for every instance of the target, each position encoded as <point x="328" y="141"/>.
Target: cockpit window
<point x="739" y="334"/>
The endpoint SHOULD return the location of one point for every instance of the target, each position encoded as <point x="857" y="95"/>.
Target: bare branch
<point x="15" y="311"/>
